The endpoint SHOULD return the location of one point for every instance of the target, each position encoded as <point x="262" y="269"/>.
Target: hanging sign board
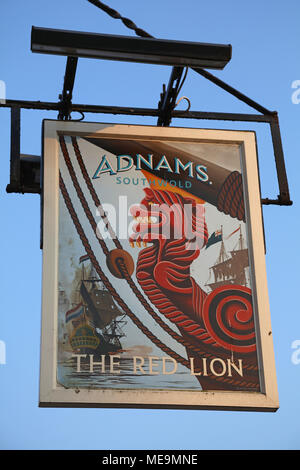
<point x="154" y="281"/>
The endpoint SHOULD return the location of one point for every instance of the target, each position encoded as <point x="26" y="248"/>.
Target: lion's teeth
<point x="143" y="219"/>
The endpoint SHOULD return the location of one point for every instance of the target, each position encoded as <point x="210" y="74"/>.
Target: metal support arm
<point x="24" y="169"/>
<point x="66" y="96"/>
<point x="17" y="184"/>
<point x="168" y="97"/>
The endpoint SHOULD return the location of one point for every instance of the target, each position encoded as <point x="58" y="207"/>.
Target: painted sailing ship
<point x="95" y="322"/>
<point x="232" y="267"/>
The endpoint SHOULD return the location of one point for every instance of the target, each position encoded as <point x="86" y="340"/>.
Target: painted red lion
<point x="172" y="231"/>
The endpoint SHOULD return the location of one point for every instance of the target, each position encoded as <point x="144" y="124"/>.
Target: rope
<point x="116" y="15"/>
<point x="131" y="25"/>
<point x="93" y="193"/>
<point x="80" y="193"/>
<point x="230" y="199"/>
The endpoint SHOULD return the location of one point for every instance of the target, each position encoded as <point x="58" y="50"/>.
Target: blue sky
<point x="265" y="63"/>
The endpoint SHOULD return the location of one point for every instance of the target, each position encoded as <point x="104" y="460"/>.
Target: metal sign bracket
<point x="25" y="169"/>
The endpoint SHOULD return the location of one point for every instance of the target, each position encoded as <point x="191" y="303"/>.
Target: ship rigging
<point x="95" y="321"/>
<point x="232" y="267"/>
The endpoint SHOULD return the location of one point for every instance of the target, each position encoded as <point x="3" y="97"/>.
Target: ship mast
<point x="222" y="255"/>
<point x="241" y="240"/>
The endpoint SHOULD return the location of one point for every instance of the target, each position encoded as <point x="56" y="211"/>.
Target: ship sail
<point x="100" y="307"/>
<point x="93" y="327"/>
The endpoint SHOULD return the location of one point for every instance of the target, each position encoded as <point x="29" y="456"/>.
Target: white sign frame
<point x="54" y="395"/>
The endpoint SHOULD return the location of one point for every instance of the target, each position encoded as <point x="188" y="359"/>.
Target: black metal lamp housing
<point x="130" y="49"/>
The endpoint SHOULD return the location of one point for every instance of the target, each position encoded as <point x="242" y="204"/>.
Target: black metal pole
<point x="134" y="111"/>
<point x="168" y="98"/>
<point x="15" y="136"/>
<point x="233" y="91"/>
<point x="284" y="195"/>
<point x="67" y="93"/>
<point x="271" y="118"/>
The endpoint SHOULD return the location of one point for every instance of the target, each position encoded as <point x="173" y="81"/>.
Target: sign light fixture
<point x="130" y="49"/>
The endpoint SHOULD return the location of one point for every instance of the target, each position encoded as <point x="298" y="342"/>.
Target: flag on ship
<point x="214" y="238"/>
<point x="239" y="228"/>
<point x="83" y="258"/>
<point x="74" y="313"/>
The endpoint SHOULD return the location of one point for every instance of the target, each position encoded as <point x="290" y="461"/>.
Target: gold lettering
<point x="239" y="368"/>
<point x="204" y="362"/>
<point x="94" y="363"/>
<point x="192" y="367"/>
<point x="213" y="369"/>
<point x="113" y="363"/>
<point x="137" y="365"/>
<point x="175" y="365"/>
<point x="78" y="356"/>
<point x="151" y="365"/>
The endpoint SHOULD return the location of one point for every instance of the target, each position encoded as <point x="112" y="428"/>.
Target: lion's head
<point x="164" y="216"/>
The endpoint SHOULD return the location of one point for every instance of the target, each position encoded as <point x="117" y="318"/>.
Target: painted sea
<point x="69" y="375"/>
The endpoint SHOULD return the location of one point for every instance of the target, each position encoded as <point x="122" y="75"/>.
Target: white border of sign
<point x="51" y="394"/>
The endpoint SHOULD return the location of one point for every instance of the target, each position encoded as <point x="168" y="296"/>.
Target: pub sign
<point x="154" y="278"/>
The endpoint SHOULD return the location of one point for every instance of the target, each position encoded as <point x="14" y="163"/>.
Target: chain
<point x="116" y="15"/>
